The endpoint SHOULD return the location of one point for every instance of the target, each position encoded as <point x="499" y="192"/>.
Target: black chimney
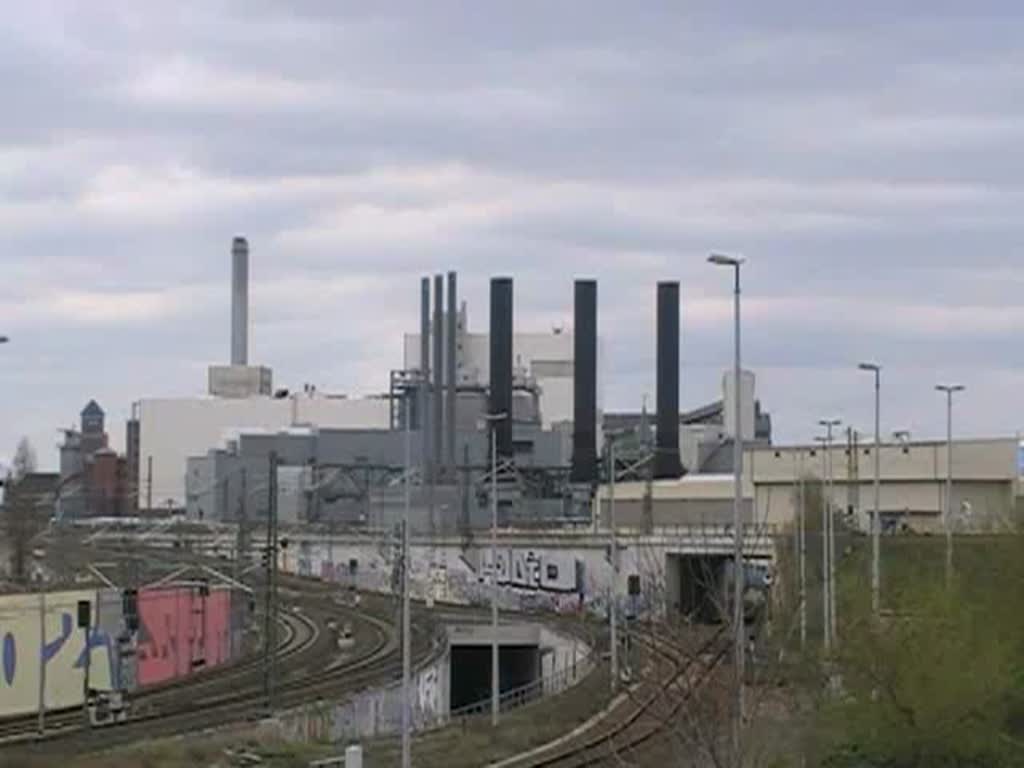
<point x="584" y="383"/>
<point x="666" y="450"/>
<point x="501" y="361"/>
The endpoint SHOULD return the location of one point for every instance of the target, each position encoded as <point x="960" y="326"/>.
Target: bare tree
<point x="24" y="461"/>
<point x="696" y="701"/>
<point x="20" y="521"/>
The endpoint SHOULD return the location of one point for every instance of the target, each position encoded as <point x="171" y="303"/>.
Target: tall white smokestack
<point x="239" y="301"/>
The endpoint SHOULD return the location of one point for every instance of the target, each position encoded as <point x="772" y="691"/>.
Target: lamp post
<point x="802" y="548"/>
<point x="493" y="419"/>
<point x="737" y="468"/>
<point x="825" y="613"/>
<point x="949" y="389"/>
<point x="406" y="640"/>
<point x="876" y="523"/>
<point x="829" y="424"/>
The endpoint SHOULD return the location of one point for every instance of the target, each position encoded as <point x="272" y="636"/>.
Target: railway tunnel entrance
<point x="519" y="661"/>
<point x="695" y="585"/>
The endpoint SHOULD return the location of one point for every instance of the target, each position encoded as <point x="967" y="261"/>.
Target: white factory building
<point x="165" y="432"/>
<point x="544" y="359"/>
<point x="173" y="429"/>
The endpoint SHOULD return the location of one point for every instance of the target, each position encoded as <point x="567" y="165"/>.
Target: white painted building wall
<point x="173" y="429"/>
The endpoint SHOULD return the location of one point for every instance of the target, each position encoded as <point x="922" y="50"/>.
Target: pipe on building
<point x="437" y="453"/>
<point x="423" y="388"/>
<point x="239" y="301"/>
<point x="450" y="365"/>
<point x="584" y="386"/>
<point x="666" y="451"/>
<point x="501" y="361"/>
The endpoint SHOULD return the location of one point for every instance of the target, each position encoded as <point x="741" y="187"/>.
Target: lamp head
<point x="724" y="261"/>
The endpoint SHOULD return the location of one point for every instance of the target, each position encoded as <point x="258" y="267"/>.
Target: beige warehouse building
<point x="988" y="494"/>
<point x="986" y="483"/>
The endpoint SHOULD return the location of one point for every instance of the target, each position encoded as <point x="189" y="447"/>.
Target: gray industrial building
<point x="547" y="469"/>
<point x="357" y="477"/>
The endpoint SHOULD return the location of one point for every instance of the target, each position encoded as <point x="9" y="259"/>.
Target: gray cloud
<point x="865" y="161"/>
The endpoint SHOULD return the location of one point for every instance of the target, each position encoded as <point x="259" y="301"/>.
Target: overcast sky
<point x="866" y="160"/>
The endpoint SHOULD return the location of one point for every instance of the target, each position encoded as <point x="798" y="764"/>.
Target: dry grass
<point x="198" y="751"/>
<point x="475" y="743"/>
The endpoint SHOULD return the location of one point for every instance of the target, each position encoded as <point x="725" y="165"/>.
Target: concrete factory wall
<point x="172" y="430"/>
<point x="61" y="647"/>
<point x="182" y="633"/>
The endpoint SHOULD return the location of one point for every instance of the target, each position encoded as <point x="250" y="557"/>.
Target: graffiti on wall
<point x="29" y="640"/>
<point x="531" y="569"/>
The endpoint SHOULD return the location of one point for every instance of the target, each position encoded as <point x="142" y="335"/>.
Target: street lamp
<point x="493" y="419"/>
<point x="4" y="339"/>
<point x="876" y="523"/>
<point x="825" y="613"/>
<point x="802" y="545"/>
<point x="829" y="424"/>
<point x="406" y="623"/>
<point x="949" y="389"/>
<point x="734" y="263"/>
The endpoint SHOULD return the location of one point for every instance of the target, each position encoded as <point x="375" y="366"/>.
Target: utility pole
<point x="829" y="424"/>
<point x="825" y="612"/>
<point x="876" y="522"/>
<point x="802" y="544"/>
<point x="493" y="419"/>
<point x="406" y="628"/>
<point x="270" y="598"/>
<point x="613" y="601"/>
<point x="949" y="390"/>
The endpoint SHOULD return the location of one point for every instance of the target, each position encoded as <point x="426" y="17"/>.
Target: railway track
<point x="650" y="708"/>
<point x="312" y="667"/>
<point x="296" y="635"/>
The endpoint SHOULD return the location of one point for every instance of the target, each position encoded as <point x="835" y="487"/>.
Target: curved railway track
<point x="655" y="704"/>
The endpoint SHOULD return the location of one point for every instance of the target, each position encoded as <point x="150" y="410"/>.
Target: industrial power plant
<point x="466" y="413"/>
<point x="484" y="475"/>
